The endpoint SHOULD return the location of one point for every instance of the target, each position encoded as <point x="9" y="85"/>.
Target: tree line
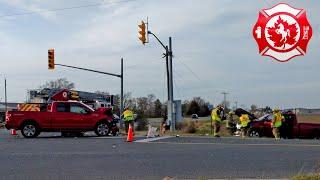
<point x="150" y="106"/>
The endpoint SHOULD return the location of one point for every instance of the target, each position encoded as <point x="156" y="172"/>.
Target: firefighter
<point x="244" y="123"/>
<point x="163" y="127"/>
<point x="230" y="123"/>
<point x="276" y="123"/>
<point x="128" y="118"/>
<point x="216" y="120"/>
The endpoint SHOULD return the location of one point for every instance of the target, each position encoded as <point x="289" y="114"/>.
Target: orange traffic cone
<point x="130" y="134"/>
<point x="13" y="132"/>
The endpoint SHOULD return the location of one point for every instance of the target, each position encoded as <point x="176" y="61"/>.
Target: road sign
<point x="282" y="32"/>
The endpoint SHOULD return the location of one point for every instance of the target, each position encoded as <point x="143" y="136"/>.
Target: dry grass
<point x="203" y="127"/>
<point x="307" y="177"/>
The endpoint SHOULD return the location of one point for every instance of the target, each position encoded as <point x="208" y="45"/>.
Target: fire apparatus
<point x="47" y="95"/>
<point x="46" y="107"/>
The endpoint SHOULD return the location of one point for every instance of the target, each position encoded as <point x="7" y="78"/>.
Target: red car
<point x="61" y="116"/>
<point x="290" y="128"/>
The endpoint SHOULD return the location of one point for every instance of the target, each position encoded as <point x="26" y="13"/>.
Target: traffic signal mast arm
<point x="85" y="69"/>
<point x="149" y="32"/>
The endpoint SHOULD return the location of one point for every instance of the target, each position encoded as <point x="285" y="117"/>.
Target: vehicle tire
<point x="30" y="130"/>
<point x="254" y="133"/>
<point x="102" y="129"/>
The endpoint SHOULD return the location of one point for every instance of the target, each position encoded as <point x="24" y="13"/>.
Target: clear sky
<point x="214" y="50"/>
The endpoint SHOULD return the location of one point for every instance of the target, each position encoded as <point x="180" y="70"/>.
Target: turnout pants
<point x="276" y="132"/>
<point x="244" y="131"/>
<point x="216" y="128"/>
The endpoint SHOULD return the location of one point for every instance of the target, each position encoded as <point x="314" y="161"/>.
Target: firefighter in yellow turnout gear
<point x="276" y="123"/>
<point x="244" y="122"/>
<point x="128" y="118"/>
<point x="216" y="120"/>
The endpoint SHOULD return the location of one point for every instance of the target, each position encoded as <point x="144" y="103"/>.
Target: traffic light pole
<point x="106" y="73"/>
<point x="173" y="126"/>
<point x="167" y="69"/>
<point x="170" y="106"/>
<point x="5" y="94"/>
<point x="121" y="95"/>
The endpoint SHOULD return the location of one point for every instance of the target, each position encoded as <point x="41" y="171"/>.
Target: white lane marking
<point x="153" y="139"/>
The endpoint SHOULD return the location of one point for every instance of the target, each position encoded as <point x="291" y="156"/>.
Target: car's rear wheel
<point x="30" y="130"/>
<point x="102" y="129"/>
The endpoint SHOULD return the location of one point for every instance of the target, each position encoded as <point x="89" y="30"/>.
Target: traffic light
<point x="143" y="32"/>
<point x="74" y="95"/>
<point x="51" y="59"/>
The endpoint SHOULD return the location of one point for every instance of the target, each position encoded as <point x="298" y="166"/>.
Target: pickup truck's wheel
<point x="30" y="130"/>
<point x="102" y="129"/>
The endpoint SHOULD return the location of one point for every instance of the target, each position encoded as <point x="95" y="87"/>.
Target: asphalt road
<point x="53" y="157"/>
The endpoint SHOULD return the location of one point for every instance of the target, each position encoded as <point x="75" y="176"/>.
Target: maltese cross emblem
<point x="282" y="32"/>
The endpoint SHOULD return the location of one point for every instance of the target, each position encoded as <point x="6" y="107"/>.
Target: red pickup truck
<point x="61" y="116"/>
<point x="290" y="128"/>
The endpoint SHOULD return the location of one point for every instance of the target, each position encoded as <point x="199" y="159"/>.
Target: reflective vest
<point x="128" y="115"/>
<point x="277" y="120"/>
<point x="244" y="120"/>
<point x="215" y="116"/>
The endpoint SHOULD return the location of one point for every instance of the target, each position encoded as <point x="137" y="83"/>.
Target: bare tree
<point x="61" y="83"/>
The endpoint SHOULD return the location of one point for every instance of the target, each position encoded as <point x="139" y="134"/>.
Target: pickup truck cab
<point x="291" y="127"/>
<point x="61" y="116"/>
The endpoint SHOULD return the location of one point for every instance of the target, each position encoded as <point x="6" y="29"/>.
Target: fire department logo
<point x="65" y="94"/>
<point x="282" y="32"/>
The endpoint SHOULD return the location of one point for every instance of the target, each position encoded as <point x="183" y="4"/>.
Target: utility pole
<point x="121" y="94"/>
<point x="167" y="69"/>
<point x="225" y="99"/>
<point x="170" y="109"/>
<point x="144" y="38"/>
<point x="171" y="101"/>
<point x="5" y="94"/>
<point x="236" y="104"/>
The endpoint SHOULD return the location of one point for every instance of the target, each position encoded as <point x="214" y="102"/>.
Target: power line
<point x="65" y="8"/>
<point x="187" y="67"/>
<point x="178" y="89"/>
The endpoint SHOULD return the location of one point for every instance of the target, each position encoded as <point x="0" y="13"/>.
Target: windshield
<point x="88" y="107"/>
